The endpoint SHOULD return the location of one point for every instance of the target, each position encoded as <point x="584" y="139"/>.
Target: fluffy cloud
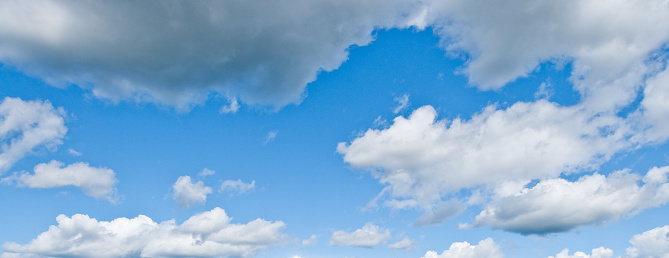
<point x="652" y="243"/>
<point x="600" y="252"/>
<point x="654" y="111"/>
<point x="607" y="41"/>
<point x="187" y="193"/>
<point x="236" y="186"/>
<point x="208" y="234"/>
<point x="485" y="248"/>
<point x="25" y="125"/>
<point x="406" y="243"/>
<point x="95" y="182"/>
<point x="422" y="159"/>
<point x="556" y="205"/>
<point x="178" y="52"/>
<point x="368" y="236"/>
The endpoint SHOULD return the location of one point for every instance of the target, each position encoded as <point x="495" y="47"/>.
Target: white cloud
<point x="607" y="41"/>
<point x="310" y="241"/>
<point x="556" y="205"/>
<point x="403" y="102"/>
<point x="423" y="159"/>
<point x="208" y="234"/>
<point x="237" y="186"/>
<point x="96" y="182"/>
<point x="270" y="136"/>
<point x="232" y="108"/>
<point x="600" y="252"/>
<point x="73" y="152"/>
<point x="25" y="125"/>
<point x="179" y="52"/>
<point x="187" y="193"/>
<point x="655" y="107"/>
<point x="406" y="243"/>
<point x="485" y="248"/>
<point x="368" y="236"/>
<point x="206" y="172"/>
<point x="652" y="243"/>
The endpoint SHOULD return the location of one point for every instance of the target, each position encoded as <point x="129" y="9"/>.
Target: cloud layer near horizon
<point x="207" y="234"/>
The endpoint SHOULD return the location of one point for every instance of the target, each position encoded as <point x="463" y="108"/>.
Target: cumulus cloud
<point x="652" y="243"/>
<point x="25" y="125"/>
<point x="96" y="182"/>
<point x="237" y="186"/>
<point x="187" y="193"/>
<point x="206" y="172"/>
<point x="422" y="159"/>
<point x="606" y="41"/>
<point x="208" y="234"/>
<point x="556" y="205"/>
<point x="179" y="52"/>
<point x="485" y="248"/>
<point x="368" y="236"/>
<point x="600" y="252"/>
<point x="406" y="244"/>
<point x="310" y="241"/>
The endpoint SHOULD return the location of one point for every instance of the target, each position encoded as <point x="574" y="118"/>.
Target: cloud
<point x="187" y="193"/>
<point x="232" y="108"/>
<point x="368" y="236"/>
<point x="406" y="243"/>
<point x="442" y="212"/>
<point x="652" y="243"/>
<point x="25" y="125"/>
<point x="96" y="182"/>
<point x="557" y="205"/>
<point x="422" y="159"/>
<point x="206" y="172"/>
<point x="403" y="102"/>
<point x="607" y="42"/>
<point x="237" y="186"/>
<point x="654" y="111"/>
<point x="600" y="252"/>
<point x="74" y="152"/>
<point x="485" y="248"/>
<point x="270" y="136"/>
<point x="310" y="241"/>
<point x="178" y="53"/>
<point x="207" y="234"/>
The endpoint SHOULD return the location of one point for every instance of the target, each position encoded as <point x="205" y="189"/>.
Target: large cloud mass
<point x="557" y="205"/>
<point x="607" y="41"/>
<point x="208" y="234"/>
<point x="177" y="52"/>
<point x="423" y="158"/>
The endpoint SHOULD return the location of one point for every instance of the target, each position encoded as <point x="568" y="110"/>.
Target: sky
<point x="377" y="128"/>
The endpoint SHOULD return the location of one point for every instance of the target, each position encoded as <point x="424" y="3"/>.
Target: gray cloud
<point x="179" y="52"/>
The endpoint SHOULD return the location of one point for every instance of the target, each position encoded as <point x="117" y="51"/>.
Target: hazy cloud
<point x="368" y="236"/>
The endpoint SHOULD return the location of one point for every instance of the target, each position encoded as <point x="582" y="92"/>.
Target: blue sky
<point x="334" y="129"/>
